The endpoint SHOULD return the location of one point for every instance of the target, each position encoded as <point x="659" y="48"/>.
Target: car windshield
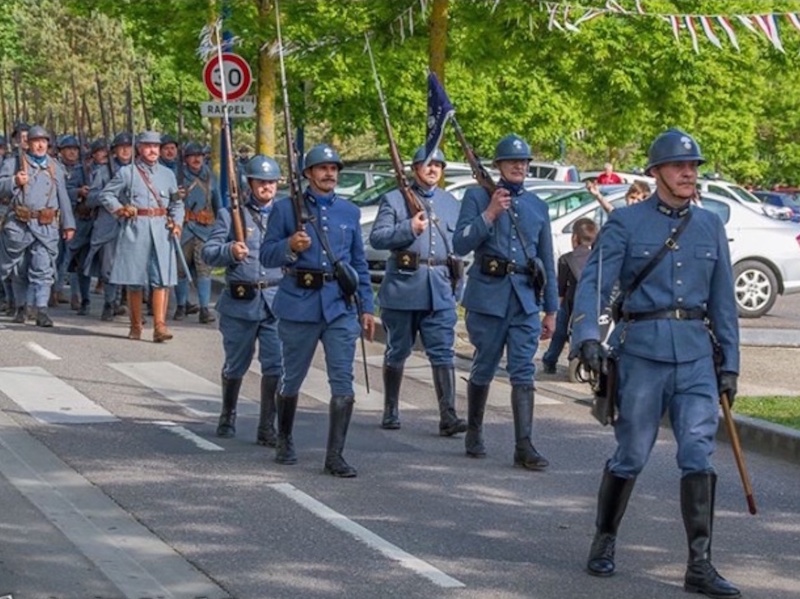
<point x="744" y="195"/>
<point x="371" y="196"/>
<point x="561" y="204"/>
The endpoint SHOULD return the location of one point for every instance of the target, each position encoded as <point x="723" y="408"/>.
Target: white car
<point x="765" y="252"/>
<point x="739" y="193"/>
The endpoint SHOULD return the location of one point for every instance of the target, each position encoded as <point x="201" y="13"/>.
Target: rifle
<point x="412" y="201"/>
<point x="233" y="184"/>
<point x="114" y="129"/>
<point x="181" y="166"/>
<point x="76" y="114"/>
<point x="17" y="113"/>
<point x="295" y="185"/>
<point x="86" y="117"/>
<point x="128" y="108"/>
<point x="144" y="104"/>
<point x="4" y="108"/>
<point x="104" y="122"/>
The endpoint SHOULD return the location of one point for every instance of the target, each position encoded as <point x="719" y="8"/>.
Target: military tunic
<point x="245" y="305"/>
<point x="144" y="253"/>
<point x="665" y="365"/>
<point x="419" y="300"/>
<point x="307" y="316"/>
<point x="502" y="311"/>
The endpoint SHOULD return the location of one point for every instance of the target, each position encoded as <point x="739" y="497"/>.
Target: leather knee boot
<point x="392" y="378"/>
<point x="266" y="418"/>
<point x="444" y="382"/>
<point x="697" y="508"/>
<point x="227" y="418"/>
<point x="135" y="309"/>
<point x="476" y="405"/>
<point x="525" y="454"/>
<point x="285" y="408"/>
<point x="612" y="499"/>
<point x="340" y="412"/>
<point x="158" y="299"/>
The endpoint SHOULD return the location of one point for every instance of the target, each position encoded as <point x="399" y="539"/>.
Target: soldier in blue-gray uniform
<point x="77" y="182"/>
<point x="245" y="305"/>
<point x="311" y="305"/>
<point x="663" y="348"/>
<point x="144" y="196"/>
<point x="417" y="295"/>
<point x="510" y="282"/>
<point x="39" y="215"/>
<point x="168" y="155"/>
<point x="103" y="242"/>
<point x="202" y="202"/>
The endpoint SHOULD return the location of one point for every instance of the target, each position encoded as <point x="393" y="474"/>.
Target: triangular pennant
<point x="551" y="22"/>
<point x="614" y="6"/>
<point x="692" y="32"/>
<point x="769" y="26"/>
<point x="410" y="21"/>
<point x="676" y="26"/>
<point x="567" y="24"/>
<point x="639" y="8"/>
<point x="747" y="21"/>
<point x="423" y="6"/>
<point x="728" y="28"/>
<point x="705" y="22"/>
<point x="793" y="19"/>
<point x="588" y="15"/>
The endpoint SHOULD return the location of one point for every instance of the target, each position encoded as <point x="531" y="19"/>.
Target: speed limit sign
<point x="236" y="73"/>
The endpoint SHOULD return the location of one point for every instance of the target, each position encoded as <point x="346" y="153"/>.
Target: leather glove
<point x="591" y="354"/>
<point x="726" y="381"/>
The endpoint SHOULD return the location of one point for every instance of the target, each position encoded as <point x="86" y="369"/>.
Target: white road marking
<point x="368" y="537"/>
<point x="46" y="354"/>
<point x="194" y="393"/>
<point x="49" y="399"/>
<point x="189" y="436"/>
<point x="135" y="560"/>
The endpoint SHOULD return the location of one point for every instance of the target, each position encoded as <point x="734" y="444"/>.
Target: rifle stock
<point x="479" y="172"/>
<point x="412" y="201"/>
<point x="295" y="186"/>
<point x="104" y="123"/>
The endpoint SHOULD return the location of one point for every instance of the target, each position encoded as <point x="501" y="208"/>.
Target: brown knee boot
<point x="159" y="298"/>
<point x="135" y="309"/>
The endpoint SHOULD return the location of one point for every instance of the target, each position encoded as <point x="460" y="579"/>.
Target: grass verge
<point x="778" y="409"/>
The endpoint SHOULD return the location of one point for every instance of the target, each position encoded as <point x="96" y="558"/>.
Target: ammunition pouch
<point x="406" y="260"/>
<point x="83" y="212"/>
<point x="455" y="268"/>
<point x="347" y="278"/>
<point x="606" y="390"/>
<point x="22" y="213"/>
<point x="309" y="279"/>
<point x="45" y="216"/>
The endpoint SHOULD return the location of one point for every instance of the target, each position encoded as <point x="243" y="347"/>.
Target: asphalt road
<point x="146" y="502"/>
<point x="785" y="314"/>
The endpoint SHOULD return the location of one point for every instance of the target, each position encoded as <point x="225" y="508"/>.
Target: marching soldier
<point x="78" y="191"/>
<point x="510" y="282"/>
<point x="3" y="149"/>
<point x="144" y="197"/>
<point x="662" y="348"/>
<point x="417" y="295"/>
<point x="202" y="203"/>
<point x="103" y="241"/>
<point x="168" y="153"/>
<point x="40" y="213"/>
<point x="311" y="304"/>
<point x="245" y="305"/>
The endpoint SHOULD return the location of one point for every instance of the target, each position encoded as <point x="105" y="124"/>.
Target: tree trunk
<point x="265" y="102"/>
<point x="438" y="38"/>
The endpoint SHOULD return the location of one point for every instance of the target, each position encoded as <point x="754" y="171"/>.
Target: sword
<point x="181" y="257"/>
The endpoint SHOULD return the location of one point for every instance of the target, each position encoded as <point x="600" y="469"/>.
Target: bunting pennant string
<point x="705" y="23"/>
<point x="692" y="33"/>
<point x="726" y="26"/>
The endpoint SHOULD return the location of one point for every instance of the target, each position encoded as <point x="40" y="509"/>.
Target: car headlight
<point x="776" y="212"/>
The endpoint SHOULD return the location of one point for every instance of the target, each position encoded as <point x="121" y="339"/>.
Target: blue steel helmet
<point x="19" y="127"/>
<point x="193" y="149"/>
<point x="122" y="139"/>
<point x="38" y="132"/>
<point x="673" y="145"/>
<point x="68" y="141"/>
<point x="512" y="147"/>
<point x="262" y="168"/>
<point x="322" y="154"/>
<point x="168" y="139"/>
<point x="97" y="145"/>
<point x="437" y="156"/>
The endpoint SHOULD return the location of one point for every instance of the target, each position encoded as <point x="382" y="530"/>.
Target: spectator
<point x="638" y="191"/>
<point x="608" y="176"/>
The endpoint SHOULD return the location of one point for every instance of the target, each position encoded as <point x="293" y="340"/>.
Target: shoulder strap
<point x="671" y="243"/>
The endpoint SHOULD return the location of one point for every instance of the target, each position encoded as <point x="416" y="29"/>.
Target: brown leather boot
<point x="135" y="308"/>
<point x="159" y="299"/>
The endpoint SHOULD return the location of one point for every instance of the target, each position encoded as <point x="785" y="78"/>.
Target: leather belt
<point x="670" y="314"/>
<point x="151" y="212"/>
<point x="256" y="284"/>
<point x="328" y="276"/>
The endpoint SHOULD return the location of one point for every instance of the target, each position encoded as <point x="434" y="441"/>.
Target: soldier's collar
<point x="673" y="212"/>
<point x="422" y="191"/>
<point x="326" y="199"/>
<point x="515" y="188"/>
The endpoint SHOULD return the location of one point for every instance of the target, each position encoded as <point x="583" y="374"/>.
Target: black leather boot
<point x="285" y="408"/>
<point x="341" y="410"/>
<point x="19" y="315"/>
<point x="266" y="418"/>
<point x="476" y="406"/>
<point x="43" y="318"/>
<point x="206" y="316"/>
<point x="392" y="377"/>
<point x="697" y="507"/>
<point x="444" y="381"/>
<point x="108" y="312"/>
<point x="525" y="454"/>
<point x="612" y="499"/>
<point x="227" y="418"/>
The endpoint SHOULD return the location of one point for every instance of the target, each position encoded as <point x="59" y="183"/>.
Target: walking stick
<point x="737" y="453"/>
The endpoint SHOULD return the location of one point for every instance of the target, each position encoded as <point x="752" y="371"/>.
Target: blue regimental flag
<point x="439" y="112"/>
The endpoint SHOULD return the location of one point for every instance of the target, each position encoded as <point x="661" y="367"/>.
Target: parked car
<point x="553" y="170"/>
<point x="781" y="199"/>
<point x="739" y="193"/>
<point x="765" y="252"/>
<point x="626" y="177"/>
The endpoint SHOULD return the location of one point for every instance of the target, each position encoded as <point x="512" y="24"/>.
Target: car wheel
<point x="756" y="288"/>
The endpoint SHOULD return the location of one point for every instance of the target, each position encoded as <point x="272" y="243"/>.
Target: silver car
<point x="765" y="252"/>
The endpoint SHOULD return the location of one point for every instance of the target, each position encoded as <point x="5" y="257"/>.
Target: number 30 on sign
<point x="236" y="72"/>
